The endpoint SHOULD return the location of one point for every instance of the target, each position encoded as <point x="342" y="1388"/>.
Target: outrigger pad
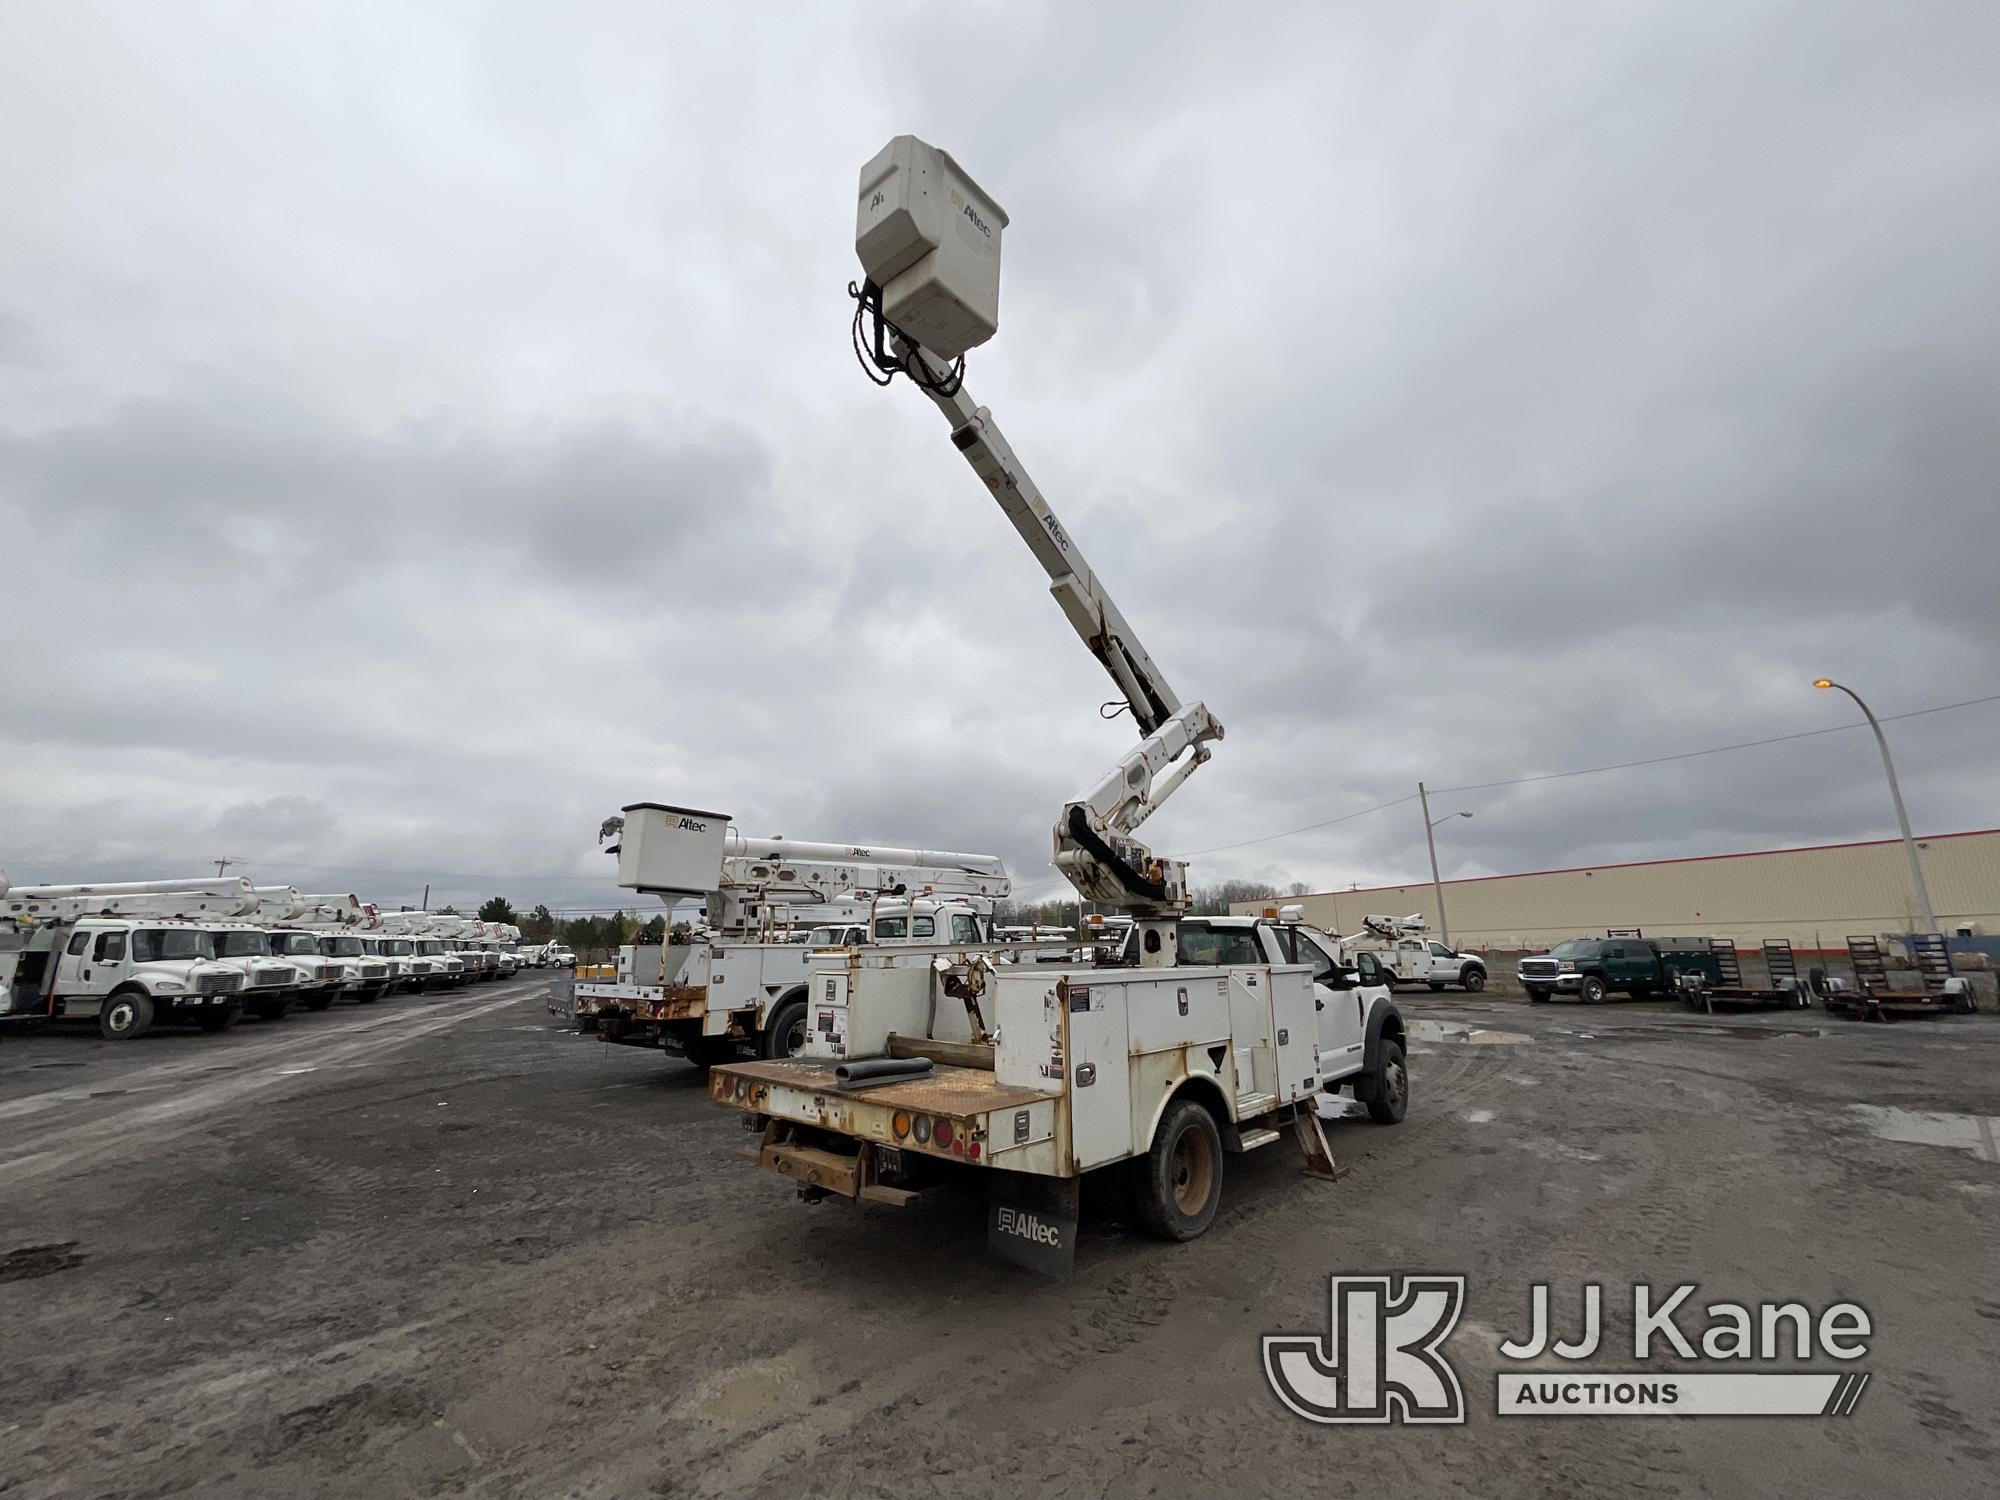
<point x="1032" y="1222"/>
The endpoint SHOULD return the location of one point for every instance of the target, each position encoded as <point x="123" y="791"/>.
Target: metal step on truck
<point x="738" y="980"/>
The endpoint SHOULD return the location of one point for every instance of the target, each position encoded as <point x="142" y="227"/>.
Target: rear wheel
<point x="126" y="1014"/>
<point x="1389" y="1089"/>
<point x="786" y="1034"/>
<point x="1436" y="986"/>
<point x="1181" y="1176"/>
<point x="1592" y="989"/>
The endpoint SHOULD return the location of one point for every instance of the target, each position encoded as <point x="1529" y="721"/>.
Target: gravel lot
<point x="444" y="1246"/>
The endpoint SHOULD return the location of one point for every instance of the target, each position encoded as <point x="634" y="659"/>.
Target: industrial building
<point x="1815" y="897"/>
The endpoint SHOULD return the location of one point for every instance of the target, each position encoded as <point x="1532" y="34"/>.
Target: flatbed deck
<point x="946" y="1090"/>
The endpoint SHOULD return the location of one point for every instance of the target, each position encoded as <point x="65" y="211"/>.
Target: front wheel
<point x="271" y="1010"/>
<point x="219" y="1018"/>
<point x="785" y="1036"/>
<point x="1592" y="990"/>
<point x="320" y="1001"/>
<point x="1181" y="1176"/>
<point x="1389" y="1093"/>
<point x="125" y="1015"/>
<point x="1474" y="980"/>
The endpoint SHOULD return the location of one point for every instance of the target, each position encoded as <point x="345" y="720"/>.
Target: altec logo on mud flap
<point x="1029" y="1227"/>
<point x="1382" y="1357"/>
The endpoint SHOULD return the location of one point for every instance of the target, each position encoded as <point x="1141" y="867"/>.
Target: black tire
<point x="1537" y="994"/>
<point x="271" y="1010"/>
<point x="125" y="1015"/>
<point x="587" y="1025"/>
<point x="785" y="1036"/>
<point x="367" y="997"/>
<point x="1389" y="1090"/>
<point x="1592" y="991"/>
<point x="1435" y="986"/>
<point x="219" y="1018"/>
<point x="1180" y="1178"/>
<point x="1474" y="979"/>
<point x="318" y="1002"/>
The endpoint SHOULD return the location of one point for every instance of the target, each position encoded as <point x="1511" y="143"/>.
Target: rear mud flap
<point x="1032" y="1222"/>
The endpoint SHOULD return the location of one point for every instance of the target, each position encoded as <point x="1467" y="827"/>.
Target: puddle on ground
<point x="1974" y="1133"/>
<point x="1702" y="1028"/>
<point x="1422" y="1030"/>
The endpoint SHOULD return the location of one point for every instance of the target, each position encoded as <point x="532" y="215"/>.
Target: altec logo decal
<point x="1029" y="1227"/>
<point x="1382" y="1358"/>
<point x="693" y="825"/>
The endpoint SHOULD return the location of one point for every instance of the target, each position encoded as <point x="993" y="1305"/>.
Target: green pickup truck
<point x="1591" y="968"/>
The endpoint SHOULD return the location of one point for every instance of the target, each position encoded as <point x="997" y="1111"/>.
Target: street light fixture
<point x="1895" y="796"/>
<point x="1430" y="838"/>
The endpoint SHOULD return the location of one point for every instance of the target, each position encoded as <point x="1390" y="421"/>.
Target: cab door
<point x="1342" y="1012"/>
<point x="73" y="964"/>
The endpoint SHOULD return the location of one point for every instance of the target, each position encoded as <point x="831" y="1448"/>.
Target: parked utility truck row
<point x="207" y="952"/>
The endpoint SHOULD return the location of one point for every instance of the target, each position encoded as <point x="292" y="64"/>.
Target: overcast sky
<point x="424" y="430"/>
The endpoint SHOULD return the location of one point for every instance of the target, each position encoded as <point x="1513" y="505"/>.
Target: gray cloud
<point x="431" y="431"/>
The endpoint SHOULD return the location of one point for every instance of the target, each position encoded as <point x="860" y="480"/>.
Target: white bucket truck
<point x="129" y="955"/>
<point x="1405" y="951"/>
<point x="737" y="981"/>
<point x="337" y="921"/>
<point x="1225" y="1036"/>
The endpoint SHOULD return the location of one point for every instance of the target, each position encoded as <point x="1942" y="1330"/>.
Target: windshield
<point x="827" y="937"/>
<point x="241" y="945"/>
<point x="1574" y="948"/>
<point x="151" y="944"/>
<point x="294" y="942"/>
<point x="431" y="946"/>
<point x="341" y="947"/>
<point x="396" y="947"/>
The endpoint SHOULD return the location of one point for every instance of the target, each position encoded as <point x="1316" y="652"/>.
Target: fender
<point x="1201" y="1087"/>
<point x="1378" y="1018"/>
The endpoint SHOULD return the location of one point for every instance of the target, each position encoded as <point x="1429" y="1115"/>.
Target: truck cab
<point x="270" y="982"/>
<point x="363" y="977"/>
<point x="447" y="967"/>
<point x="410" y="970"/>
<point x="316" y="977"/>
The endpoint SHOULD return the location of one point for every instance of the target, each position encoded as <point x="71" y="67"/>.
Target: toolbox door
<point x="1099" y="1079"/>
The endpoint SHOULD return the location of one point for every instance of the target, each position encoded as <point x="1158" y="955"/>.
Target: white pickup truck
<point x="707" y="998"/>
<point x="1032" y="1077"/>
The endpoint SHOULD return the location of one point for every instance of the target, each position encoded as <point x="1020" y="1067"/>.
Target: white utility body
<point x="1224" y="1035"/>
<point x="738" y="980"/>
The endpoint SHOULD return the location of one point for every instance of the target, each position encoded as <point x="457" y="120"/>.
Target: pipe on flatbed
<point x="881" y="1069"/>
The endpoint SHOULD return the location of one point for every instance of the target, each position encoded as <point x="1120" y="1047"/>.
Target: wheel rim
<point x="1396" y="1085"/>
<point x="122" y="1014"/>
<point x="1193" y="1171"/>
<point x="795" y="1038"/>
<point x="1475" y="981"/>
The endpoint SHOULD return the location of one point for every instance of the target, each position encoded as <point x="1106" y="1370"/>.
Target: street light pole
<point x="1895" y="796"/>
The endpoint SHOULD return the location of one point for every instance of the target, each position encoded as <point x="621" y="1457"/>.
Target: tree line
<point x="611" y="930"/>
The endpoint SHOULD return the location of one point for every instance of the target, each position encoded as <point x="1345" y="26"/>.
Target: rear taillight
<point x="941" y="1133"/>
<point x="900" y="1123"/>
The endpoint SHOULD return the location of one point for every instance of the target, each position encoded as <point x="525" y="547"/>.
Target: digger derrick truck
<point x="1225" y="1036"/>
<point x="738" y="981"/>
